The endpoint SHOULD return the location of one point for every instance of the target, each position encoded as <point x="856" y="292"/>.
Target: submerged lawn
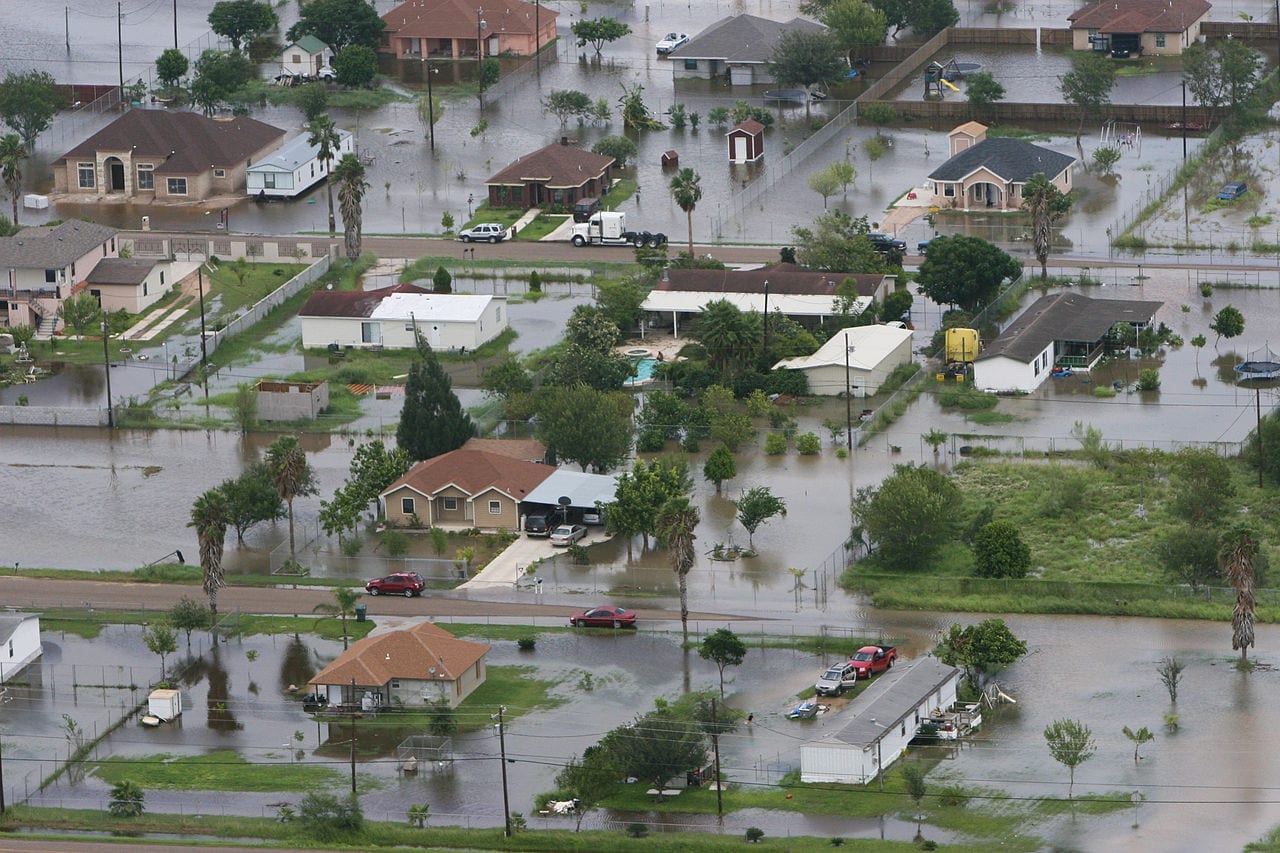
<point x="223" y="770"/>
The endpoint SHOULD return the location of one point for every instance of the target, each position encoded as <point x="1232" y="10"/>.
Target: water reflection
<point x="220" y="717"/>
<point x="297" y="664"/>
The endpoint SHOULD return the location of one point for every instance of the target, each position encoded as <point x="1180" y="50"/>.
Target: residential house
<point x="294" y="168"/>
<point x="41" y="266"/>
<point x="858" y="359"/>
<point x="291" y="401"/>
<point x="804" y="295"/>
<point x="19" y="643"/>
<point x="556" y="176"/>
<point x="304" y="57"/>
<point x="1058" y="329"/>
<point x="393" y="317"/>
<point x="884" y="718"/>
<point x="165" y="156"/>
<point x="987" y="174"/>
<point x="463" y="488"/>
<point x="453" y="29"/>
<point x="739" y="47"/>
<point x="132" y="284"/>
<point x="411" y="667"/>
<point x="1165" y="27"/>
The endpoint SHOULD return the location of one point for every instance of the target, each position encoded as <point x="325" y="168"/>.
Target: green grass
<point x="506" y="216"/>
<point x="260" y="279"/>
<point x="223" y="770"/>
<point x="991" y="418"/>
<point x="326" y="627"/>
<point x="541" y="226"/>
<point x="481" y="631"/>
<point x="621" y="191"/>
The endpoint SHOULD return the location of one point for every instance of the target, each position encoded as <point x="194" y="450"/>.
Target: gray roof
<point x="583" y="490"/>
<point x="893" y="697"/>
<point x="1065" y="317"/>
<point x="293" y="154"/>
<point x="1014" y="160"/>
<point x="9" y="623"/>
<point x="741" y="38"/>
<point x="52" y="248"/>
<point x="121" y="271"/>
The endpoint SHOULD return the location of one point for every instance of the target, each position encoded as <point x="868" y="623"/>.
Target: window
<point x="1035" y="367"/>
<point x="296" y="59"/>
<point x="11" y="648"/>
<point x="451" y="504"/>
<point x="499" y="314"/>
<point x="1159" y="39"/>
<point x="219" y="173"/>
<point x="269" y="180"/>
<point x="406" y="506"/>
<point x="177" y="186"/>
<point x="86" y="172"/>
<point x="144" y="288"/>
<point x="395" y="684"/>
<point x="146" y="176"/>
<point x="495" y="507"/>
<point x="50" y="276"/>
<point x="73" y="269"/>
<point x="949" y="190"/>
<point x="691" y="65"/>
<point x="162" y="277"/>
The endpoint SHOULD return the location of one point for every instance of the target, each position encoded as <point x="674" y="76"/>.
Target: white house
<point x="887" y="715"/>
<point x="392" y="317"/>
<point x="304" y="57"/>
<point x="294" y="168"/>
<point x="1058" y="329"/>
<point x="133" y="284"/>
<point x="864" y="356"/>
<point x="19" y="642"/>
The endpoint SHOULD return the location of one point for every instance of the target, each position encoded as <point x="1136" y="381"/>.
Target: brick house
<point x="556" y="176"/>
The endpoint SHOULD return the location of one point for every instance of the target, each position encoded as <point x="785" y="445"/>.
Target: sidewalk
<point x="506" y="569"/>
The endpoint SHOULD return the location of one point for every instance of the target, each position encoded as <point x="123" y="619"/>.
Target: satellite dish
<point x="564" y="500"/>
<point x="431" y="669"/>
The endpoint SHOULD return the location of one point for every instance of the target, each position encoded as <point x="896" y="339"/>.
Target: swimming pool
<point x="644" y="372"/>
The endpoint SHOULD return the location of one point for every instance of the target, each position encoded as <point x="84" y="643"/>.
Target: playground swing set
<point x="1124" y="136"/>
<point x="940" y="74"/>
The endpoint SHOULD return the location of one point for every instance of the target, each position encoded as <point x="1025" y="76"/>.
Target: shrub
<point x="578" y="555"/>
<point x="439" y="540"/>
<point x="535" y="282"/>
<point x="775" y="444"/>
<point x="527" y="644"/>
<point x="325" y="816"/>
<point x="1206" y="289"/>
<point x="1104" y="391"/>
<point x="953" y="796"/>
<point x="966" y="397"/>
<point x="754" y="834"/>
<point x="395" y="543"/>
<point x="639" y="830"/>
<point x="1149" y="379"/>
<point x="808" y="444"/>
<point x="442" y="281"/>
<point x="352" y="545"/>
<point x="651" y="440"/>
<point x="999" y="552"/>
<point x="126" y="799"/>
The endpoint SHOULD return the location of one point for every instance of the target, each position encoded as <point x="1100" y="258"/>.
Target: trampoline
<point x="1259" y="368"/>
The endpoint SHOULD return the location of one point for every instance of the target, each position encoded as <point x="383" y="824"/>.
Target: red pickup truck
<point x="869" y="660"/>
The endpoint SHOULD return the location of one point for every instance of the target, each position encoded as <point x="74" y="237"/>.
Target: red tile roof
<point x="351" y="303"/>
<point x="1139" y="16"/>
<point x="411" y="654"/>
<point x="560" y="166"/>
<point x="474" y="471"/>
<point x="456" y="19"/>
<point x="182" y="143"/>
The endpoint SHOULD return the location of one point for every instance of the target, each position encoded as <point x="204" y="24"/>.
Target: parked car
<point x="484" y="232"/>
<point x="670" y="42"/>
<point x="537" y="525"/>
<point x="584" y="208"/>
<point x="1232" y="191"/>
<point x="407" y="584"/>
<point x="593" y="516"/>
<point x="922" y="246"/>
<point x="326" y="73"/>
<point x="567" y="534"/>
<point x="884" y="243"/>
<point x="869" y="660"/>
<point x="838" y="678"/>
<point x="604" y="617"/>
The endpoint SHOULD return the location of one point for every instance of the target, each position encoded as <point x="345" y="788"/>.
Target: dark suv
<point x="537" y="525"/>
<point x="882" y="242"/>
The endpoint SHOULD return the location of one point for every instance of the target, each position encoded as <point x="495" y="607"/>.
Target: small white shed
<point x="886" y="716"/>
<point x="19" y="642"/>
<point x="294" y="168"/>
<point x="165" y="705"/>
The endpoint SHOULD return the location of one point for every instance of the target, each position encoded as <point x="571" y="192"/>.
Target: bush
<point x="527" y="644"/>
<point x="535" y="282"/>
<point x="325" y="816"/>
<point x="651" y="440"/>
<point x="775" y="444"/>
<point x="126" y="799"/>
<point x="790" y="382"/>
<point x="999" y="552"/>
<point x="966" y="397"/>
<point x="1104" y="391"/>
<point x="351" y="546"/>
<point x="639" y="830"/>
<point x="808" y="444"/>
<point x="442" y="281"/>
<point x="754" y="834"/>
<point x="953" y="796"/>
<point x="1149" y="379"/>
<point x="395" y="543"/>
<point x="578" y="555"/>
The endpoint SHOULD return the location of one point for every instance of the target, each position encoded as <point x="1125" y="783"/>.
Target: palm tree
<point x="686" y="189"/>
<point x="325" y="135"/>
<point x="12" y="153"/>
<point x="1046" y="204"/>
<point x="287" y="462"/>
<point x="349" y="173"/>
<point x="674" y="525"/>
<point x="344" y="604"/>
<point x="1238" y="550"/>
<point x="209" y="518"/>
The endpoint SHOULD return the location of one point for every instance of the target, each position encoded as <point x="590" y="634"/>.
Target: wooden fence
<point x="1251" y="31"/>
<point x="1158" y="115"/>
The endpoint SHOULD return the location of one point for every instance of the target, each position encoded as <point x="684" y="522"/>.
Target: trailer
<point x="609" y="228"/>
<point x="163" y="706"/>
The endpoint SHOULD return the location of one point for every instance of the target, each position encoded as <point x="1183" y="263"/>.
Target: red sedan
<point x="407" y="584"/>
<point x="604" y="617"/>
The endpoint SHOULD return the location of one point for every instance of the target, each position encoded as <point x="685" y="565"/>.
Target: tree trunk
<point x="328" y="163"/>
<point x="689" y="213"/>
<point x="684" y="605"/>
<point x="291" y="548"/>
<point x="343" y="614"/>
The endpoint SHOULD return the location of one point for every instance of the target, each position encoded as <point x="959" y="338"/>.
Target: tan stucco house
<point x="40" y="267"/>
<point x="165" y="156"/>
<point x="989" y="174"/>
<point x="133" y="284"/>
<point x="451" y="29"/>
<point x="463" y="488"/>
<point x="413" y="667"/>
<point x="1136" y="27"/>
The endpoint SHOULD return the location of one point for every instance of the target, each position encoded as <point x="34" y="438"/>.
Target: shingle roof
<point x="474" y="471"/>
<point x="560" y="166"/>
<point x="741" y="38"/>
<point x="121" y="271"/>
<point x="1065" y="316"/>
<point x="528" y="449"/>
<point x="410" y="654"/>
<point x="456" y="19"/>
<point x="185" y="143"/>
<point x="750" y="126"/>
<point x="1139" y="16"/>
<point x="782" y="278"/>
<point x="1013" y="160"/>
<point x="52" y="248"/>
<point x="351" y="303"/>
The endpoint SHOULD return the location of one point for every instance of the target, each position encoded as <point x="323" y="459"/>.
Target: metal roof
<point x="9" y="623"/>
<point x="433" y="307"/>
<point x="1065" y="316"/>
<point x="892" y="698"/>
<point x="582" y="489"/>
<point x="309" y="43"/>
<point x="871" y="345"/>
<point x="793" y="304"/>
<point x="296" y="152"/>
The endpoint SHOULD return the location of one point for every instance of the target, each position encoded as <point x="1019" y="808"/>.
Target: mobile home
<point x="294" y="168"/>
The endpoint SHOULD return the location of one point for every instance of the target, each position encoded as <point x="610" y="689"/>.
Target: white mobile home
<point x="886" y="718"/>
<point x="19" y="642"/>
<point x="392" y="316"/>
<point x="294" y="168"/>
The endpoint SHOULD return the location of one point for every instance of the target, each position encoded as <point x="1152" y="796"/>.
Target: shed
<point x="19" y="642"/>
<point x="886" y="717"/>
<point x="746" y="141"/>
<point x="671" y="158"/>
<point x="859" y="358"/>
<point x="291" y="401"/>
<point x="132" y="284"/>
<point x="164" y="705"/>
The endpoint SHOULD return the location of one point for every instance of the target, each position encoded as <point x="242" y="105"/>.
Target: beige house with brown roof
<point x="162" y="155"/>
<point x="463" y="488"/>
<point x="1162" y="27"/>
<point x="413" y="667"/>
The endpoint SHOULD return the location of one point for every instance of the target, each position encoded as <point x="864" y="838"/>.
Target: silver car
<point x="484" y="232"/>
<point x="567" y="534"/>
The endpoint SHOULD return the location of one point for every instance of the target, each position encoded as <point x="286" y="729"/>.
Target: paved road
<point x="38" y="593"/>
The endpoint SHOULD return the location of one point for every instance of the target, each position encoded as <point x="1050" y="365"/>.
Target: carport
<point x="569" y="494"/>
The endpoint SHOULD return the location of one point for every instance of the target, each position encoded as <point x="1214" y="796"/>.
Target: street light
<point x="106" y="365"/>
<point x="481" y="23"/>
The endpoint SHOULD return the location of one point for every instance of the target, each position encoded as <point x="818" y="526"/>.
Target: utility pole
<point x="66" y="23"/>
<point x="537" y="34"/>
<point x="1184" y="114"/>
<point x="1257" y="408"/>
<point x="848" y="396"/>
<point x="353" y="736"/>
<point x="715" y="746"/>
<point x="1" y="777"/>
<point x="502" y="751"/>
<point x="204" y="347"/>
<point x="175" y="24"/>
<point x="481" y="23"/>
<point x="120" y="48"/>
<point x="106" y="368"/>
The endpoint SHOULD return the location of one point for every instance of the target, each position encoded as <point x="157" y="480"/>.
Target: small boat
<point x="804" y="711"/>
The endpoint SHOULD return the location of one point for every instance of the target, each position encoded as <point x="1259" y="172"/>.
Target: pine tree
<point x="432" y="421"/>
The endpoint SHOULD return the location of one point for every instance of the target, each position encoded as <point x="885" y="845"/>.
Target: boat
<point x="806" y="710"/>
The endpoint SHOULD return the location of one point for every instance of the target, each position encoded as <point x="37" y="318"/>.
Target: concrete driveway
<point x="507" y="568"/>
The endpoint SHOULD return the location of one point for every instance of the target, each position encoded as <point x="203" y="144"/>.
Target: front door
<point x="117" y="175"/>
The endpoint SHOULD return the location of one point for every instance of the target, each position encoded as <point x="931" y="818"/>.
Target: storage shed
<point x="291" y="401"/>
<point x="746" y="141"/>
<point x="164" y="705"/>
<point x="886" y="717"/>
